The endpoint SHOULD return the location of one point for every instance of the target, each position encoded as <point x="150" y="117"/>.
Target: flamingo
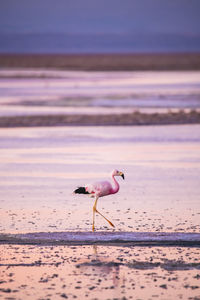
<point x="100" y="189"/>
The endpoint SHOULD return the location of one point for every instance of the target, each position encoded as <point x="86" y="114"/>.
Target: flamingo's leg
<point x="105" y="218"/>
<point x="94" y="210"/>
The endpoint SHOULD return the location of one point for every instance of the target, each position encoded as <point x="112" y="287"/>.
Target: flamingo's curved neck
<point x="115" y="189"/>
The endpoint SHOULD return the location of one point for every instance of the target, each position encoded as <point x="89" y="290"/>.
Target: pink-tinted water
<point x="99" y="272"/>
<point x="40" y="168"/>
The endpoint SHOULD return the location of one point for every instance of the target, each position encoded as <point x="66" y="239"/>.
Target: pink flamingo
<point x="100" y="189"/>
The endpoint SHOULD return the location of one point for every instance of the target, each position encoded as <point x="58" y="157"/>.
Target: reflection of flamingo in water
<point x="100" y="265"/>
<point x="100" y="189"/>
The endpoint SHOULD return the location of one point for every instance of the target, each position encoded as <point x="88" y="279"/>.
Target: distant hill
<point x="98" y="43"/>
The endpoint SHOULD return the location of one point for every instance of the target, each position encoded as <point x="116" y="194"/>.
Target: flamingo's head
<point x="117" y="173"/>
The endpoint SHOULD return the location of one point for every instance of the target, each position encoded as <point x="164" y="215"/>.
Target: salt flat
<point x="159" y="199"/>
<point x="30" y="92"/>
<point x="40" y="168"/>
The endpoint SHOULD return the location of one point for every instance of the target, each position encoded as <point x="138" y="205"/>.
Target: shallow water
<point x="40" y="168"/>
<point x="99" y="272"/>
<point x="28" y="92"/>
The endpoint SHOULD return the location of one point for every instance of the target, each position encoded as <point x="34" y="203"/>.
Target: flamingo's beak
<point x="121" y="174"/>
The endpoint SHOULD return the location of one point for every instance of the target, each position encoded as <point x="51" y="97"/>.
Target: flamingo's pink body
<point x="100" y="189"/>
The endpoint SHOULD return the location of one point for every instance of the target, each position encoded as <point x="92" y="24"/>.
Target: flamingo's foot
<point x="93" y="229"/>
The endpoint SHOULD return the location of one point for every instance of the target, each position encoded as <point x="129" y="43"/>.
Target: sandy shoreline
<point x="103" y="62"/>
<point x="135" y="118"/>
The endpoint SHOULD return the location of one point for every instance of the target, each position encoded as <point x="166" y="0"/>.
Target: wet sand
<point x="104" y="238"/>
<point x="135" y="118"/>
<point x="99" y="272"/>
